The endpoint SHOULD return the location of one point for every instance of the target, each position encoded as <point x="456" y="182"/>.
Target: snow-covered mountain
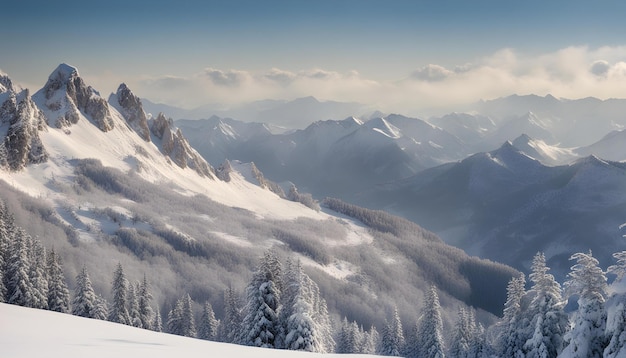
<point x="610" y="147"/>
<point x="506" y="205"/>
<point x="277" y="114"/>
<point x="331" y="158"/>
<point x="103" y="182"/>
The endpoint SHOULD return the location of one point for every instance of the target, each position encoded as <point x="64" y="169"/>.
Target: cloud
<point x="572" y="72"/>
<point x="432" y="73"/>
<point x="230" y="78"/>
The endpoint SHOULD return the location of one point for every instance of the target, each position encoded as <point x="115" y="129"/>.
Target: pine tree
<point x="616" y="318"/>
<point x="133" y="306"/>
<point x="230" y="328"/>
<point x="462" y="338"/>
<point x="4" y="252"/>
<point x="119" y="307"/>
<point x="37" y="273"/>
<point x="512" y="327"/>
<point x="588" y="281"/>
<point x="207" y="329"/>
<point x="261" y="325"/>
<point x="370" y="341"/>
<point x="85" y="300"/>
<point x="305" y="327"/>
<point x="548" y="321"/>
<point x="188" y="322"/>
<point x="157" y="324"/>
<point x="18" y="284"/>
<point x="431" y="327"/>
<point x="58" y="294"/>
<point x="102" y="308"/>
<point x="145" y="310"/>
<point x="392" y="343"/>
<point x="175" y="318"/>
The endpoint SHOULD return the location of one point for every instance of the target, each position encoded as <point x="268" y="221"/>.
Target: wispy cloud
<point x="572" y="72"/>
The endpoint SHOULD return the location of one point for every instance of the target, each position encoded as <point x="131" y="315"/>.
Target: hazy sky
<point x="397" y="55"/>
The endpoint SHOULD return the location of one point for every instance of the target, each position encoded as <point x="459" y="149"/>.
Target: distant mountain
<point x="545" y="153"/>
<point x="572" y="123"/>
<point x="506" y="206"/>
<point x="610" y="147"/>
<point x="331" y="158"/>
<point x="295" y="114"/>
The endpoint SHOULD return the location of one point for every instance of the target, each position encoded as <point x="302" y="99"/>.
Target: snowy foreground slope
<point x="27" y="332"/>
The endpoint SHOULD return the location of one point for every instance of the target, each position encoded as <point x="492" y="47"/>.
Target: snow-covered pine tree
<point x="19" y="287"/>
<point x="412" y="346"/>
<point x="85" y="302"/>
<point x="512" y="328"/>
<point x="370" y="341"/>
<point x="119" y="307"/>
<point x="175" y="318"/>
<point x="4" y="252"/>
<point x="230" y="328"/>
<point x="548" y="321"/>
<point x="207" y="328"/>
<point x="261" y="324"/>
<point x="305" y="328"/>
<point x="587" y="280"/>
<point x="346" y="338"/>
<point x="37" y="273"/>
<point x="431" y="327"/>
<point x="392" y="342"/>
<point x="102" y="308"/>
<point x="188" y="322"/>
<point x="133" y="305"/>
<point x="58" y="294"/>
<point x="616" y="310"/>
<point x="144" y="296"/>
<point x="157" y="323"/>
<point x="462" y="338"/>
<point x="479" y="347"/>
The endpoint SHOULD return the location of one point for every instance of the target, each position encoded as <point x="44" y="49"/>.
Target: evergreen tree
<point x="588" y="281"/>
<point x="58" y="294"/>
<point x="512" y="328"/>
<point x="463" y="336"/>
<point x="392" y="342"/>
<point x="370" y="341"/>
<point x="157" y="324"/>
<point x="175" y="319"/>
<point x="133" y="306"/>
<point x="549" y="323"/>
<point x="18" y="284"/>
<point x="412" y="346"/>
<point x="616" y="318"/>
<point x="207" y="329"/>
<point x="230" y="328"/>
<point x="261" y="325"/>
<point x="37" y="273"/>
<point x="145" y="309"/>
<point x="85" y="303"/>
<point x="307" y="327"/>
<point x="102" y="308"/>
<point x="431" y="327"/>
<point x="119" y="307"/>
<point x="188" y="322"/>
<point x="479" y="347"/>
<point x="4" y="252"/>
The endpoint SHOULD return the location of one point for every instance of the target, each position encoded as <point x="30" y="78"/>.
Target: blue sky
<point x="167" y="50"/>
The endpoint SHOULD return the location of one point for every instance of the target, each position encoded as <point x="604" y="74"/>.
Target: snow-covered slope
<point x="27" y="333"/>
<point x="545" y="153"/>
<point x="610" y="147"/>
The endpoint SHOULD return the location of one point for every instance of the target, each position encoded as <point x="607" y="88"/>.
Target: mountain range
<point x="104" y="183"/>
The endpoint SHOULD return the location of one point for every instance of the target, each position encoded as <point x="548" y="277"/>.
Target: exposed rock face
<point x="66" y="94"/>
<point x="131" y="108"/>
<point x="176" y="147"/>
<point x="21" y="145"/>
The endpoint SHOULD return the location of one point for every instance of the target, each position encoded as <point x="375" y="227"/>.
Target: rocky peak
<point x="131" y="108"/>
<point x="174" y="145"/>
<point x="67" y="95"/>
<point x="21" y="145"/>
<point x="6" y="85"/>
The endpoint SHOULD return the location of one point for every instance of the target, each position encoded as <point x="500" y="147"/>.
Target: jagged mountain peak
<point x="65" y="97"/>
<point x="6" y="85"/>
<point x="131" y="108"/>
